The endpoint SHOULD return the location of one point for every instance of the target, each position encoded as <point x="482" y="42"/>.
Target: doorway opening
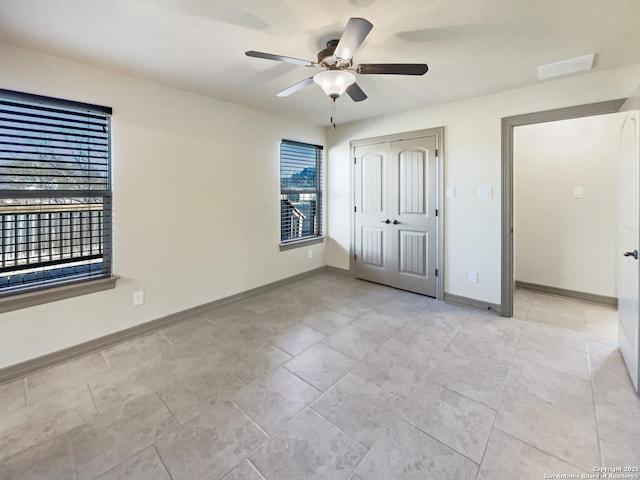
<point x="508" y="126"/>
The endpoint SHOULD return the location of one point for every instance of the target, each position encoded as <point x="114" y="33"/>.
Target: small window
<point x="55" y="192"/>
<point x="300" y="191"/>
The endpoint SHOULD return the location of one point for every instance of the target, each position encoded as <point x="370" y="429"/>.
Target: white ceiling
<point x="472" y="47"/>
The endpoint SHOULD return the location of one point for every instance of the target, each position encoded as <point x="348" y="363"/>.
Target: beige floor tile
<point x="552" y="411"/>
<point x="141" y="350"/>
<point x="320" y="366"/>
<point x="405" y="453"/>
<point x="457" y="421"/>
<point x="357" y="407"/>
<point x="508" y="457"/>
<point x="145" y="465"/>
<point x="437" y="328"/>
<point x="194" y="394"/>
<point x="563" y="359"/>
<point x="196" y="330"/>
<point x="617" y="406"/>
<point x="296" y="338"/>
<point x="480" y="380"/>
<point x="46" y="461"/>
<point x="61" y="379"/>
<point x="326" y="321"/>
<point x="396" y="376"/>
<point x="44" y="419"/>
<point x="249" y="362"/>
<point x="354" y="342"/>
<point x="12" y="397"/>
<point x="353" y="306"/>
<point x="559" y="316"/>
<point x="379" y="323"/>
<point x="128" y="381"/>
<point x="116" y="435"/>
<point x="210" y="445"/>
<point x="552" y="335"/>
<point x="414" y="346"/>
<point x="274" y="399"/>
<point x="485" y="342"/>
<point x="310" y="448"/>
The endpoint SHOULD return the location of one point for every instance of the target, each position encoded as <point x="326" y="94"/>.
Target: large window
<point x="300" y="191"/>
<point x="55" y="192"/>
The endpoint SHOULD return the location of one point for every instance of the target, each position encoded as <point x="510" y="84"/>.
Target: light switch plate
<point x="451" y="192"/>
<point x="578" y="192"/>
<point x="485" y="192"/>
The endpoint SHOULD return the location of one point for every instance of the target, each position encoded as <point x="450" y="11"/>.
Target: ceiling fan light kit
<point x="337" y="60"/>
<point x="334" y="82"/>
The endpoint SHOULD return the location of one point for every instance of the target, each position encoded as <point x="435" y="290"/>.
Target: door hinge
<point x="355" y="256"/>
<point x="436" y="212"/>
<point x="436" y="152"/>
<point x="354" y="160"/>
<point x="355" y="209"/>
<point x="436" y="272"/>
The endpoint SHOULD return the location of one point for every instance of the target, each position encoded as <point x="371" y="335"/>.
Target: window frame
<point x="48" y="289"/>
<point x="317" y="237"/>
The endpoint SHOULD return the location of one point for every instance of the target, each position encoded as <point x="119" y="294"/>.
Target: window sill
<point x="53" y="294"/>
<point x="300" y="243"/>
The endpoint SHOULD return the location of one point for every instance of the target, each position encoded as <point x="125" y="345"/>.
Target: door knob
<point x="396" y="222"/>
<point x="633" y="254"/>
<point x="387" y="221"/>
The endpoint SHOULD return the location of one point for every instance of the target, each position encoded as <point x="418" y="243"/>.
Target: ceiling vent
<point x="565" y="67"/>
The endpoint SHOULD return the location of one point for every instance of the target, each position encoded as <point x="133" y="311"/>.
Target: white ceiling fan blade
<point x="295" y="87"/>
<point x="354" y="34"/>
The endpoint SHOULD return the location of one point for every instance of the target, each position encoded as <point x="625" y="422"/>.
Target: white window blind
<point x="300" y="191"/>
<point x="55" y="192"/>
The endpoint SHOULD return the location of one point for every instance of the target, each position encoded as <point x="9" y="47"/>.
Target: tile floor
<point x="334" y="378"/>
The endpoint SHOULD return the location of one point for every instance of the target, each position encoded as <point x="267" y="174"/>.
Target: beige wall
<point x="196" y="203"/>
<point x="473" y="159"/>
<point x="562" y="241"/>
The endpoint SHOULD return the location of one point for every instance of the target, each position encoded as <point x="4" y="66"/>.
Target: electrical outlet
<point x="138" y="298"/>
<point x="310" y="254"/>
<point x="473" y="277"/>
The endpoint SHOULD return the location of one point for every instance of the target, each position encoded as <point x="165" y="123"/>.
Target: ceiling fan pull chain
<point x="333" y="113"/>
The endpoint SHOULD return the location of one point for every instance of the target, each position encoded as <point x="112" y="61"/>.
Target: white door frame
<point x="440" y="153"/>
<point x="508" y="124"/>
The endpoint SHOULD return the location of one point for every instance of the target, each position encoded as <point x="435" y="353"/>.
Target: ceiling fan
<point x="337" y="60"/>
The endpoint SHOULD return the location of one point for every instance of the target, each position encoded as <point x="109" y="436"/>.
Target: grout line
<point x="411" y="425"/>
<point x="544" y="452"/>
<point x="169" y="410"/>
<point x="153" y="445"/>
<point x="255" y="468"/>
<point x="106" y="359"/>
<point x="161" y="333"/>
<point x="506" y="381"/>
<point x="595" y="407"/>
<point x="338" y="427"/>
<point x="71" y="456"/>
<point x="239" y="379"/>
<point x="249" y="417"/>
<point x="93" y="399"/>
<point x="283" y="351"/>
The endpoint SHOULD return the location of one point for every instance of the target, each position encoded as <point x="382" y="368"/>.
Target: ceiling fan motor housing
<point x="327" y="59"/>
